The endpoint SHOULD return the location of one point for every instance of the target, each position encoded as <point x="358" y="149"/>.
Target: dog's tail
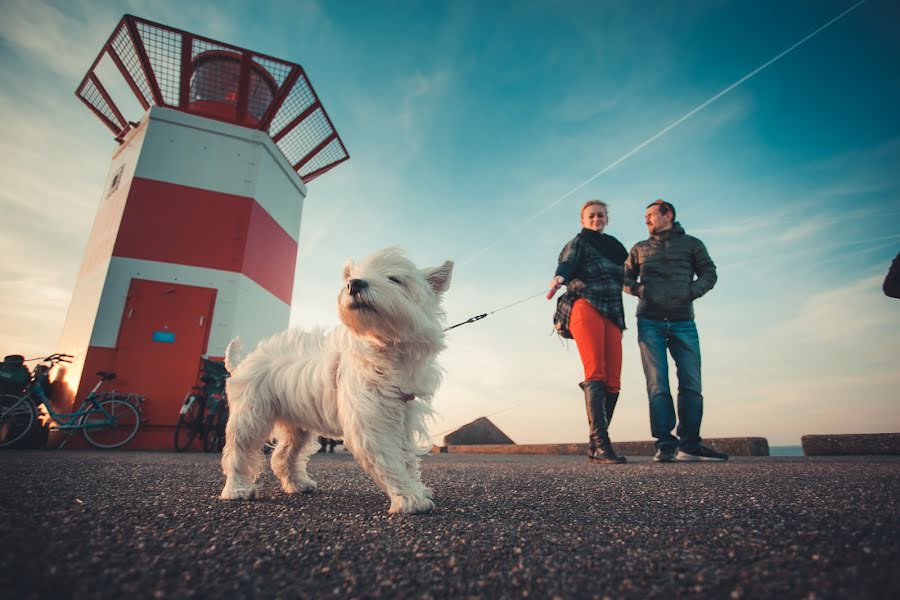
<point x="233" y="354"/>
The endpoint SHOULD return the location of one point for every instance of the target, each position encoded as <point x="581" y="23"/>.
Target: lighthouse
<point x="197" y="231"/>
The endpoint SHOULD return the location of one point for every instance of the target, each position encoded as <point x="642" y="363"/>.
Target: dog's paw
<point x="250" y="493"/>
<point x="299" y="487"/>
<point x="408" y="505"/>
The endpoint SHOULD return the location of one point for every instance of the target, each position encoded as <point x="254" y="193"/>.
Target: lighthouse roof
<point x="159" y="65"/>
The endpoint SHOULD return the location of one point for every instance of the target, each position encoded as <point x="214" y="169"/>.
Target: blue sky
<point x="468" y="124"/>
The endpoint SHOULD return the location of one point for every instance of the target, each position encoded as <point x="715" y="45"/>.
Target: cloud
<point x="60" y="42"/>
<point x="851" y="159"/>
<point x="39" y="303"/>
<point x="859" y="173"/>
<point x="735" y="108"/>
<point x="775" y="229"/>
<point x="808" y="226"/>
<point x="577" y="106"/>
<point x="854" y="310"/>
<point x="421" y="97"/>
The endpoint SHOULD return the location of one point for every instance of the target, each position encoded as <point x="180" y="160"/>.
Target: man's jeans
<point x="681" y="339"/>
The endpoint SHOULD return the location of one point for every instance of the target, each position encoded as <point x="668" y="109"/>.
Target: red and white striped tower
<point x="196" y="236"/>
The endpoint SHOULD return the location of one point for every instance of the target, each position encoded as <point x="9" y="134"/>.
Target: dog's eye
<point x="395" y="279"/>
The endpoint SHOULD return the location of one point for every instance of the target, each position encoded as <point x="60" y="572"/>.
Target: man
<point x="660" y="271"/>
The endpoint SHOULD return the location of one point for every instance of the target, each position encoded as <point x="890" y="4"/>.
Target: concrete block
<point x="518" y="449"/>
<point x="746" y="446"/>
<point x="851" y="444"/>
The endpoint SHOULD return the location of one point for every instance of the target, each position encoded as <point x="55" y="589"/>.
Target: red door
<point x="165" y="329"/>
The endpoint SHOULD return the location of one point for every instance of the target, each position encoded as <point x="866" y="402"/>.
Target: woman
<point x="591" y="266"/>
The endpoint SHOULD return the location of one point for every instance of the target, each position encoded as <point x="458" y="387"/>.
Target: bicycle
<point x="214" y="438"/>
<point x="105" y="419"/>
<point x="204" y="411"/>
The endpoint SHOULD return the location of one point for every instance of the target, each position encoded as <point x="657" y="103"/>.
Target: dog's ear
<point x="347" y="266"/>
<point x="439" y="277"/>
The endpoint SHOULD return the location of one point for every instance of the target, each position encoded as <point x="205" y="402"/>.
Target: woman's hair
<point x="592" y="203"/>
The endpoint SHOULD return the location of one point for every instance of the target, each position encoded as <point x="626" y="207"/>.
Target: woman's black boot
<point x="601" y="449"/>
<point x="611" y="399"/>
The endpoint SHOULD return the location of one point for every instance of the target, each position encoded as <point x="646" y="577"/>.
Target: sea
<point x="785" y="450"/>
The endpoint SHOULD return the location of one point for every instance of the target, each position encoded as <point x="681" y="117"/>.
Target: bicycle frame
<point x="189" y="402"/>
<point x="214" y="403"/>
<point x="72" y="421"/>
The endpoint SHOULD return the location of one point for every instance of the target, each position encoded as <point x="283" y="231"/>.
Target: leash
<point x="483" y="315"/>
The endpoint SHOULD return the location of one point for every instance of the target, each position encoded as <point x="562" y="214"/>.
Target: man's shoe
<point x="664" y="454"/>
<point x="701" y="454"/>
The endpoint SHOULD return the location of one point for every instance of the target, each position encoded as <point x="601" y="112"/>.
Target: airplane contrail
<point x="662" y="132"/>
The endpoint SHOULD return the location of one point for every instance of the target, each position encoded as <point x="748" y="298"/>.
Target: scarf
<point x="606" y="245"/>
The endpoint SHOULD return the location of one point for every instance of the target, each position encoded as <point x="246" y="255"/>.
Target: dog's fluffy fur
<point x="369" y="381"/>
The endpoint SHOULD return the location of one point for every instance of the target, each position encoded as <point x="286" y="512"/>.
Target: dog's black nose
<point x="356" y="285"/>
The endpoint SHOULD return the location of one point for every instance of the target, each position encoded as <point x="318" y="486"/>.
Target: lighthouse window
<point x="114" y="184"/>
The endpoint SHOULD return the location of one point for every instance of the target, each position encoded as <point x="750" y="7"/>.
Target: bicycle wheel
<point x="214" y="437"/>
<point x="190" y="423"/>
<point x="100" y="432"/>
<point x="221" y="426"/>
<point x="17" y="417"/>
<point x="210" y="435"/>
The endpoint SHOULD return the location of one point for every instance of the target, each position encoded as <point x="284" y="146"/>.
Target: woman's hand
<point x="555" y="284"/>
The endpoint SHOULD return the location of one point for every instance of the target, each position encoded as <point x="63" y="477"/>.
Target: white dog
<point x="369" y="381"/>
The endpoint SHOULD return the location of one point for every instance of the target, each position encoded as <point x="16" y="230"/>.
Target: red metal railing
<point x="167" y="67"/>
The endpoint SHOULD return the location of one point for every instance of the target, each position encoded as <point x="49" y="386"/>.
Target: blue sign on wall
<point x="164" y="337"/>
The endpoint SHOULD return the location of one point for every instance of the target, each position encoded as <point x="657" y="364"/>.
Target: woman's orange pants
<point x="599" y="343"/>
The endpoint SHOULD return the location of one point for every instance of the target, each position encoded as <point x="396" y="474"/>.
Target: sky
<point x="477" y="129"/>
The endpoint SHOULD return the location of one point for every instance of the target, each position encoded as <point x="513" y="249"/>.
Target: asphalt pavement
<point x="89" y="524"/>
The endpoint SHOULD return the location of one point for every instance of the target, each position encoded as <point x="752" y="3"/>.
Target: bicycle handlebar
<point x="58" y="358"/>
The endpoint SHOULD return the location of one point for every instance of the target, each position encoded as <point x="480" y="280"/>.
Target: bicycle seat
<point x="106" y="376"/>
